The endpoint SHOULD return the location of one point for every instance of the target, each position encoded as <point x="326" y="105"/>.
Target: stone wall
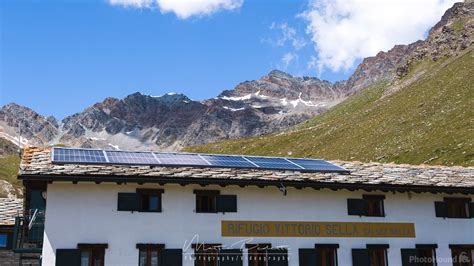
<point x="8" y="258"/>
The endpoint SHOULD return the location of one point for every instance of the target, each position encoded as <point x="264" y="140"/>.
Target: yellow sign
<point x="315" y="229"/>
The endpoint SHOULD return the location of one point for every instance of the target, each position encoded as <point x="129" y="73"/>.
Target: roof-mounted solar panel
<point x="180" y="159"/>
<point x="274" y="163"/>
<point x="95" y="156"/>
<point x="317" y="165"/>
<point x="120" y="157"/>
<point x="228" y="161"/>
<point x="78" y="156"/>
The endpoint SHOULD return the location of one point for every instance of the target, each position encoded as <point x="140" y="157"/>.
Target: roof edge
<point x="239" y="182"/>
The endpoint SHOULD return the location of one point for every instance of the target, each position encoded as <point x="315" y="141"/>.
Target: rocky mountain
<point x="171" y="121"/>
<point x="417" y="111"/>
<point x="273" y="103"/>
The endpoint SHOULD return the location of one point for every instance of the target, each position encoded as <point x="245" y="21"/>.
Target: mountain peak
<point x="279" y="74"/>
<point x="172" y="97"/>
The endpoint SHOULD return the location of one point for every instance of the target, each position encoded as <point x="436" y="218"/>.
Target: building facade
<point x="377" y="215"/>
<point x="9" y="209"/>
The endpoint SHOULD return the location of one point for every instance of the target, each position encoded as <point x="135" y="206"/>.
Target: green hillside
<point x="9" y="164"/>
<point x="429" y="121"/>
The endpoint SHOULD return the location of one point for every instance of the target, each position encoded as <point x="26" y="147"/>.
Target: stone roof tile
<point x="37" y="161"/>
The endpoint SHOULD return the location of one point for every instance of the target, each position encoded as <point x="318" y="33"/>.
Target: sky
<point x="60" y="56"/>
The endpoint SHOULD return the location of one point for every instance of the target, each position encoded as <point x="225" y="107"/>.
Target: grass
<point x="9" y="166"/>
<point x="428" y="122"/>
<point x="458" y="25"/>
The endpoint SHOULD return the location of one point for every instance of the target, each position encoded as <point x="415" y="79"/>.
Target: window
<point x="373" y="255"/>
<point x="3" y="240"/>
<point x="206" y="201"/>
<point x="369" y="205"/>
<point x="455" y="208"/>
<point x="427" y="255"/>
<point x="150" y="200"/>
<point x="458" y="207"/>
<point x="377" y="255"/>
<point x="264" y="255"/>
<point x="374" y="205"/>
<point x="214" y="255"/>
<point x="257" y="254"/>
<point x="144" y="200"/>
<point x="462" y="255"/>
<point x="327" y="254"/>
<point x="92" y="254"/>
<point x="422" y="255"/>
<point x="321" y="255"/>
<point x="206" y="254"/>
<point x="210" y="201"/>
<point x="149" y="254"/>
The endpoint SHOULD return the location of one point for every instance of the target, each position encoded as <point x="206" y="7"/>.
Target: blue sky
<point x="59" y="57"/>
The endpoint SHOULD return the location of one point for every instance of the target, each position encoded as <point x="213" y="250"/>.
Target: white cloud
<point x="132" y="3"/>
<point x="343" y="31"/>
<point x="288" y="35"/>
<point x="288" y="58"/>
<point x="183" y="9"/>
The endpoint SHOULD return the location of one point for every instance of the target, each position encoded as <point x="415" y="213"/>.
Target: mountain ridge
<point x="421" y="114"/>
<point x="274" y="103"/>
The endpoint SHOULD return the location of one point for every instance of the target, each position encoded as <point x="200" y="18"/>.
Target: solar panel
<point x="317" y="165"/>
<point x="180" y="159"/>
<point x="273" y="163"/>
<point x="94" y="156"/>
<point x="78" y="155"/>
<point x="228" y="161"/>
<point x="121" y="157"/>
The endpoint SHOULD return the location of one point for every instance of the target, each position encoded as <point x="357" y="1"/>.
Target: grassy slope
<point x="9" y="163"/>
<point x="430" y="121"/>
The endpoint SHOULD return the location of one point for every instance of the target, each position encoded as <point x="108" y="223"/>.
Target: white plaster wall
<point x="87" y="213"/>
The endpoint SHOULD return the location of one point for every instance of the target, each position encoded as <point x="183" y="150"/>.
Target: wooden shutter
<point x="441" y="209"/>
<point x="360" y="257"/>
<point x="230" y="257"/>
<point x="471" y="209"/>
<point x="409" y="257"/>
<point x="128" y="202"/>
<point x="226" y="203"/>
<point x="357" y="207"/>
<point x="171" y="257"/>
<point x="309" y="257"/>
<point x="277" y="257"/>
<point x="68" y="257"/>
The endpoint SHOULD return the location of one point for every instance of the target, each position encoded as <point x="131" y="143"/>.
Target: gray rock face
<point x="270" y="104"/>
<point x="453" y="34"/>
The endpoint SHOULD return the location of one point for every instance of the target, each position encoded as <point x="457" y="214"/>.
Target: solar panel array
<point x="95" y="156"/>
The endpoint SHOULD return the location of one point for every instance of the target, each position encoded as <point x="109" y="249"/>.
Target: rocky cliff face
<point x="452" y="35"/>
<point x="270" y="104"/>
<point x="168" y="122"/>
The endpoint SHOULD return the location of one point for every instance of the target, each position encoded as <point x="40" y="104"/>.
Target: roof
<point x="9" y="209"/>
<point x="36" y="165"/>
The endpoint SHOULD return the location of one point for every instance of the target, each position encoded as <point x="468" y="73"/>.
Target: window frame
<point x="450" y="201"/>
<point x="459" y="249"/>
<point x="331" y="249"/>
<point x="211" y="196"/>
<point x="93" y="249"/>
<point x="7" y="239"/>
<point x="145" y="193"/>
<point x="258" y="251"/>
<point x="375" y="199"/>
<point x="427" y="247"/>
<point x="374" y="249"/>
<point x="149" y="248"/>
<point x="208" y="251"/>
